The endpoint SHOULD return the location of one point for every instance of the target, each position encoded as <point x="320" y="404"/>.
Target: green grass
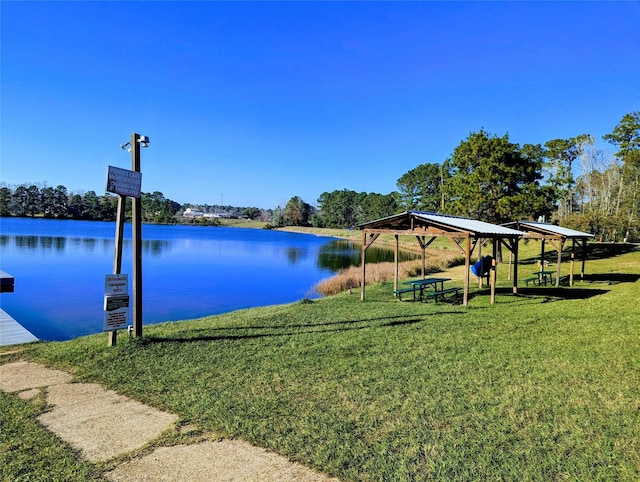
<point x="29" y="452"/>
<point x="540" y="386"/>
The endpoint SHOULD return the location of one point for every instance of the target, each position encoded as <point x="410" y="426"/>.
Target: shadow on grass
<point x="546" y="294"/>
<point x="292" y="329"/>
<point x="611" y="278"/>
<point x="594" y="251"/>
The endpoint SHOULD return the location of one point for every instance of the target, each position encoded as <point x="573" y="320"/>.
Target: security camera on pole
<point x="127" y="183"/>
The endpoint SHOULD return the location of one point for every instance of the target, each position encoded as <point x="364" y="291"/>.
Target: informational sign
<point x="124" y="182"/>
<point x="116" y="302"/>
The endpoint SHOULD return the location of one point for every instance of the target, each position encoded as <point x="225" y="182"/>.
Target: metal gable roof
<point x="470" y="225"/>
<point x="553" y="229"/>
<point x="448" y="223"/>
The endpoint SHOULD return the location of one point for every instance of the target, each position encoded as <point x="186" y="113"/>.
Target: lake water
<point x="188" y="271"/>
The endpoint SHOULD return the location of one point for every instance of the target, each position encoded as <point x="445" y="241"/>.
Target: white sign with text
<point x="116" y="301"/>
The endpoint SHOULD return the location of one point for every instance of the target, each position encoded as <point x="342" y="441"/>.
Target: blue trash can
<point x="482" y="266"/>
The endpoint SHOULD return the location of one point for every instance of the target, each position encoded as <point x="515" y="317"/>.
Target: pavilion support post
<point x="560" y="247"/>
<point x="572" y="262"/>
<point x="494" y="267"/>
<point x="542" y="256"/>
<point x="423" y="247"/>
<point x="515" y="243"/>
<point x="584" y="257"/>
<point x="467" y="270"/>
<point x="366" y="242"/>
<point x="571" y="267"/>
<point x="422" y="241"/>
<point x="396" y="258"/>
<point x="480" y="278"/>
<point x="364" y="265"/>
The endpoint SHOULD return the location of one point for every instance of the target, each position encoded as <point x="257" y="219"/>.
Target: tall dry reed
<point x="348" y="278"/>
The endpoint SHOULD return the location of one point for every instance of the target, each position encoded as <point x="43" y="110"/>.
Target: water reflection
<point x="60" y="244"/>
<point x="342" y="253"/>
<point x="155" y="247"/>
<point x="295" y="254"/>
<point x="333" y="255"/>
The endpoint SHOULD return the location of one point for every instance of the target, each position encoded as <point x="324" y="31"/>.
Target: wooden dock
<point x="12" y="332"/>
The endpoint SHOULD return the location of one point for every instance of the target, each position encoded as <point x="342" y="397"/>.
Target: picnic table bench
<point x="531" y="279"/>
<point x="402" y="291"/>
<point x="441" y="294"/>
<point x="540" y="278"/>
<point x="425" y="289"/>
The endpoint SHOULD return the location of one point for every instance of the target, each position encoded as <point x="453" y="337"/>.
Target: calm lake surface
<point x="188" y="271"/>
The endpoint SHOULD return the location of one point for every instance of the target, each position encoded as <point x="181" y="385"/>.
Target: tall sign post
<point x="136" y="225"/>
<point x="128" y="184"/>
<point x="117" y="254"/>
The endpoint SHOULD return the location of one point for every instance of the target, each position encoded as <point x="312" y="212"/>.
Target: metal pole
<point x="136" y="224"/>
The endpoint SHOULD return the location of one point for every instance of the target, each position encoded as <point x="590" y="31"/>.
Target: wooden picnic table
<point x="434" y="288"/>
<point x="541" y="277"/>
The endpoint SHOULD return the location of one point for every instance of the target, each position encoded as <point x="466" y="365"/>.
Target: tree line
<point x="566" y="181"/>
<point x="49" y="202"/>
<point x="31" y="200"/>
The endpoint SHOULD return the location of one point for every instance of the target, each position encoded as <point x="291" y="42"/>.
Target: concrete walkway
<point x="102" y="425"/>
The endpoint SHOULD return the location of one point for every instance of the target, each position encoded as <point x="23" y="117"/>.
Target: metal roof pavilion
<point x="557" y="236"/>
<point x="463" y="232"/>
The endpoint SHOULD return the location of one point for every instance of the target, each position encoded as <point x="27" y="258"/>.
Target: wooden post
<point x="396" y="256"/>
<point x="560" y="246"/>
<point x="136" y="224"/>
<point x="571" y="268"/>
<point x="494" y="264"/>
<point x="364" y="264"/>
<point x="424" y="257"/>
<point x="467" y="269"/>
<point x="584" y="257"/>
<point x="573" y="260"/>
<point x="515" y="242"/>
<point x="117" y="254"/>
<point x="481" y="277"/>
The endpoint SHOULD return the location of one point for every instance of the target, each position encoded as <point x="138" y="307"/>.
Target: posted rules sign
<point x="116" y="301"/>
<point x="124" y="182"/>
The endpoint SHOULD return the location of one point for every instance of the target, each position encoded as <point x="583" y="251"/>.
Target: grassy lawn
<point x="540" y="386"/>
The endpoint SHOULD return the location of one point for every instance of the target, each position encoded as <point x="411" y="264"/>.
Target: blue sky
<point x="253" y="103"/>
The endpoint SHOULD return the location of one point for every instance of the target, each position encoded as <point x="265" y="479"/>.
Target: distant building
<point x="193" y="213"/>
